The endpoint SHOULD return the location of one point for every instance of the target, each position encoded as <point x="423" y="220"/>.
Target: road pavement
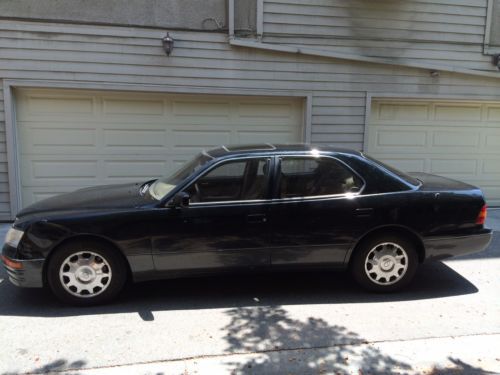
<point x="297" y="323"/>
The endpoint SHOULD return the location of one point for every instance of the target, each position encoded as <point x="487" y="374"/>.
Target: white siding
<point x="435" y="31"/>
<point x="79" y="53"/>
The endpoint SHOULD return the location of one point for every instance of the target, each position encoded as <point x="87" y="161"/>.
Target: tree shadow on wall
<point x="281" y="344"/>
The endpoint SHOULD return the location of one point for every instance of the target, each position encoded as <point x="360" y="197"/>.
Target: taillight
<point x="481" y="218"/>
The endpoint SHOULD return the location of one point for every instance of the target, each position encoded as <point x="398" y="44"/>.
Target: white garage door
<point x="72" y="139"/>
<point x="460" y="140"/>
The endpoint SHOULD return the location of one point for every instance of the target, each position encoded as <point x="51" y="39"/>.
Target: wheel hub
<point x="387" y="263"/>
<point x="85" y="274"/>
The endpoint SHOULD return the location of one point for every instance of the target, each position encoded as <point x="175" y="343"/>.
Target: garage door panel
<point x="55" y="105"/>
<point x="459" y="140"/>
<point x="189" y="110"/>
<point x="133" y="106"/>
<point x="456" y="167"/>
<point x="266" y="137"/>
<point x="457" y="112"/>
<point x="400" y="139"/>
<point x="131" y="169"/>
<point x="134" y="138"/>
<point x="50" y="136"/>
<point x="493" y="113"/>
<point x="54" y="172"/>
<point x="402" y="111"/>
<point x="410" y="164"/>
<point x="69" y="139"/>
<point x="491" y="167"/>
<point x="192" y="140"/>
<point x="455" y="139"/>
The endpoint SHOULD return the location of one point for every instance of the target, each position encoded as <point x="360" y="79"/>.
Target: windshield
<point x="405" y="177"/>
<point x="161" y="187"/>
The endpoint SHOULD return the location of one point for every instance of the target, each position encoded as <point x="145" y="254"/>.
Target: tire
<point x="86" y="273"/>
<point x="384" y="263"/>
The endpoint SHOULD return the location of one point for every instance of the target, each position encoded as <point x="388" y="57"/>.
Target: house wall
<point x="205" y="61"/>
<point x="447" y="32"/>
<point x="179" y="14"/>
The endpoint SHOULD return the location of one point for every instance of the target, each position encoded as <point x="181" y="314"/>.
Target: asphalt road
<point x="290" y="322"/>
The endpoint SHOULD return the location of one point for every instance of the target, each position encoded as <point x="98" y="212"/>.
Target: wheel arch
<point x="393" y="229"/>
<point x="81" y="237"/>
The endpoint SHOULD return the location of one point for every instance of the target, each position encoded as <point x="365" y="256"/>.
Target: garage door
<point x="460" y="140"/>
<point x="72" y="139"/>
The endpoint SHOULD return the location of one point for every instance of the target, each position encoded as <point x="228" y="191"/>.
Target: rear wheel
<point x="86" y="273"/>
<point x="385" y="263"/>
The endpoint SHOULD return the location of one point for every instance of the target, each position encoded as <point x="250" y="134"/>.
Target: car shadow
<point x="433" y="280"/>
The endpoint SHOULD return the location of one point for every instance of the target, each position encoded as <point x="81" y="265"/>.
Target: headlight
<point x="13" y="237"/>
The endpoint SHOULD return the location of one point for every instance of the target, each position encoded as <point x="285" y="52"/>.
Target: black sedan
<point x="258" y="207"/>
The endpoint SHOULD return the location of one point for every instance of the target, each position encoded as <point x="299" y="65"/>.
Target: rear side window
<point x="309" y="177"/>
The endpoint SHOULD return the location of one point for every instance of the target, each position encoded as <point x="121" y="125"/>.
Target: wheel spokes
<point x="386" y="263"/>
<point x="85" y="274"/>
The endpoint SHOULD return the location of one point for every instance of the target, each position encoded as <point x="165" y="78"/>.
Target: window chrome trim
<point x="278" y="200"/>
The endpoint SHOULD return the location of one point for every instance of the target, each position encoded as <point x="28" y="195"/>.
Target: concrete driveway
<point x="284" y="323"/>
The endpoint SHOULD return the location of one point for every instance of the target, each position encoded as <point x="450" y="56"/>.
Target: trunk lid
<point x="431" y="182"/>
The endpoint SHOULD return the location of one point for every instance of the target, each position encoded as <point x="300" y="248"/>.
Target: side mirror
<point x="354" y="189"/>
<point x="180" y="200"/>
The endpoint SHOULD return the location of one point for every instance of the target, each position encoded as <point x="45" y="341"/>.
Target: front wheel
<point x="86" y="273"/>
<point x="384" y="263"/>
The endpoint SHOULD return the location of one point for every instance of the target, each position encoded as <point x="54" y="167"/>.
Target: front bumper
<point x="437" y="248"/>
<point x="27" y="272"/>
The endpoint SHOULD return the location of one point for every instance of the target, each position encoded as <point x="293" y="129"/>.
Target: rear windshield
<point x="405" y="177"/>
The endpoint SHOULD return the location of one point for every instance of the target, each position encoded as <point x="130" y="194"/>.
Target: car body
<point x="254" y="207"/>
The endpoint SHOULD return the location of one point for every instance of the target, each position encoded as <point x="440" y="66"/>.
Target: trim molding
<point x="343" y="56"/>
<point x="10" y="113"/>
<point x="487" y="50"/>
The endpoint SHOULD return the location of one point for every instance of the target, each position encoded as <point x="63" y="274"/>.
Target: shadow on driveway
<point x="433" y="280"/>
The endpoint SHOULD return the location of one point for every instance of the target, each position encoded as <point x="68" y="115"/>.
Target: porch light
<point x="168" y="44"/>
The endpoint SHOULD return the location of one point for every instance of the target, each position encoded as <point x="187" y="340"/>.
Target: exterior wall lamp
<point x="168" y="44"/>
<point x="496" y="60"/>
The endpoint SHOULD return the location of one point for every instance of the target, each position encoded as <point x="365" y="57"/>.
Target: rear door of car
<point x="315" y="211"/>
<point x="225" y="224"/>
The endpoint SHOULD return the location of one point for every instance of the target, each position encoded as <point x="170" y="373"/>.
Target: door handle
<point x="363" y="212"/>
<point x="256" y="218"/>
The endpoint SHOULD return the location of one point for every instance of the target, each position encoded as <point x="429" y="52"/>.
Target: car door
<point x="315" y="213"/>
<point x="225" y="223"/>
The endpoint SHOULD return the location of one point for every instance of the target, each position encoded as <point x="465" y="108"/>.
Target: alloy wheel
<point x="85" y="274"/>
<point x="386" y="263"/>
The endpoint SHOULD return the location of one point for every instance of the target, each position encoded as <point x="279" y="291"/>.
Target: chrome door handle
<point x="363" y="212"/>
<point x="256" y="218"/>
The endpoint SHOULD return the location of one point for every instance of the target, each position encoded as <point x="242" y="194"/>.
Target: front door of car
<point x="225" y="223"/>
<point x="315" y="213"/>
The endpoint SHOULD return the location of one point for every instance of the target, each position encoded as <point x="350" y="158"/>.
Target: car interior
<point x="298" y="177"/>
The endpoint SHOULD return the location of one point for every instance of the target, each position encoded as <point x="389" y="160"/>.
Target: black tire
<point x="112" y="264"/>
<point x="374" y="246"/>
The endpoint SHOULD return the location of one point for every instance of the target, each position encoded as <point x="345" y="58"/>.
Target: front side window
<point x="161" y="187"/>
<point x="309" y="177"/>
<point x="232" y="181"/>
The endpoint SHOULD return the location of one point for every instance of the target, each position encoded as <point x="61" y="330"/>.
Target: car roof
<point x="268" y="148"/>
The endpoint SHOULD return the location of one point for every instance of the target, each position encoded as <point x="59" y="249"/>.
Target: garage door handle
<point x="363" y="212"/>
<point x="256" y="218"/>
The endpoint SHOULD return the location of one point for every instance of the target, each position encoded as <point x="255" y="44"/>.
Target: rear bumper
<point x="29" y="275"/>
<point x="437" y="248"/>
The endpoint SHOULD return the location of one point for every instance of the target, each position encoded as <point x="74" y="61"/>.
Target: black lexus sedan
<point x="255" y="207"/>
